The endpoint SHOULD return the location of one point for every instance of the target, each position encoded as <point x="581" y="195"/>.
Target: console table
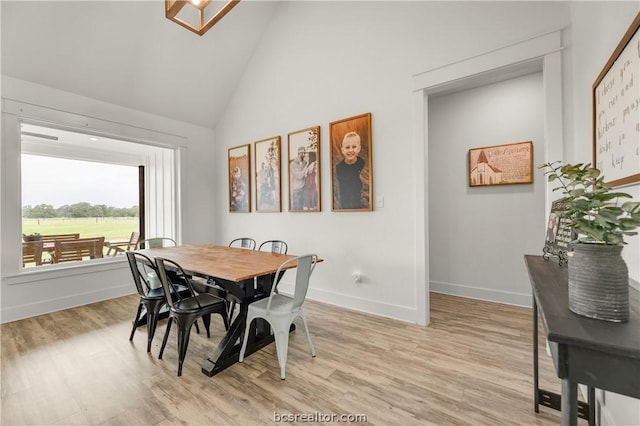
<point x="595" y="353"/>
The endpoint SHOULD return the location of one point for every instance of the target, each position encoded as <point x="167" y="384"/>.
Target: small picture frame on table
<point x="559" y="235"/>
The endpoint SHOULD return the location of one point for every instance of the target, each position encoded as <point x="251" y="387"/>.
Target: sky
<point x="58" y="181"/>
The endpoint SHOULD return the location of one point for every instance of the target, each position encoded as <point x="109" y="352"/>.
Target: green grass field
<point x="111" y="228"/>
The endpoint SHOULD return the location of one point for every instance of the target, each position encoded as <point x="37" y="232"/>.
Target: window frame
<point x="160" y="162"/>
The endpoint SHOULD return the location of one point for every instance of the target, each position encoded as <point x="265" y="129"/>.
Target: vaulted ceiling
<point x="127" y="53"/>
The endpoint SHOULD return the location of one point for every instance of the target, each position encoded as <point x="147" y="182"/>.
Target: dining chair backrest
<point x="157" y="242"/>
<point x="59" y="237"/>
<point x="172" y="286"/>
<point x="74" y="250"/>
<point x="274" y="246"/>
<point x="143" y="270"/>
<point x="32" y="252"/>
<point x="244" y="242"/>
<point x="133" y="240"/>
<point x="305" y="266"/>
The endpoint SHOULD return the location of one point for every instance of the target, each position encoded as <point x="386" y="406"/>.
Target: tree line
<point x="78" y="210"/>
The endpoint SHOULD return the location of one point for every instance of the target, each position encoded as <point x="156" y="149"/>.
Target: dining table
<point x="245" y="275"/>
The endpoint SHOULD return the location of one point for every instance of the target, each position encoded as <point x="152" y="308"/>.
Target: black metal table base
<point x="228" y="351"/>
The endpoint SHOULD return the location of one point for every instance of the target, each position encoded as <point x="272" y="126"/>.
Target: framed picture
<point x="507" y="164"/>
<point x="304" y="170"/>
<point x="559" y="234"/>
<point x="267" y="156"/>
<point x="239" y="182"/>
<point x="616" y="114"/>
<point x="351" y="164"/>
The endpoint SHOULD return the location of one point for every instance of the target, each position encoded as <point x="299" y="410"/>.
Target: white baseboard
<point x="402" y="313"/>
<point x="489" y="295"/>
<point x="28" y="310"/>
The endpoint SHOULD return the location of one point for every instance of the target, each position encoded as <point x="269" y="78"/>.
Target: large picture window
<point x="91" y="192"/>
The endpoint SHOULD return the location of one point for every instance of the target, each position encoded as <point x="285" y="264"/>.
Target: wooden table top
<point x="227" y="263"/>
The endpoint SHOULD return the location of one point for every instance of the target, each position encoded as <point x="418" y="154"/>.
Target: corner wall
<point x="323" y="61"/>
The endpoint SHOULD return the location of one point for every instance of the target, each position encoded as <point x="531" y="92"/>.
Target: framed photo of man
<point x="267" y="163"/>
<point x="239" y="182"/>
<point x="351" y="164"/>
<point x="304" y="170"/>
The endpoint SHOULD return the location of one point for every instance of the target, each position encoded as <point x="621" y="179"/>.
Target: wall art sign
<point x="267" y="164"/>
<point x="501" y="164"/>
<point x="239" y="182"/>
<point x="616" y="112"/>
<point x="351" y="164"/>
<point x="304" y="170"/>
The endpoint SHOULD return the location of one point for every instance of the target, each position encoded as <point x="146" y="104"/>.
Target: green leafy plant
<point x="31" y="237"/>
<point x="595" y="212"/>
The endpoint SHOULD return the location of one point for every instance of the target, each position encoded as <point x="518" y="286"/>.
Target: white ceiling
<point x="127" y="53"/>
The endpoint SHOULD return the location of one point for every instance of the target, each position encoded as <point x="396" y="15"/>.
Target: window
<point x="89" y="187"/>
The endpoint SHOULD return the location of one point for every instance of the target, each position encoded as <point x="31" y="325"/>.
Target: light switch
<point x="379" y="201"/>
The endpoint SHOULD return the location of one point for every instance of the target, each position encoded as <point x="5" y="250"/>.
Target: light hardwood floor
<point x="471" y="366"/>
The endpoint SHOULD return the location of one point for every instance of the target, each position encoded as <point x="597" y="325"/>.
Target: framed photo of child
<point x="267" y="163"/>
<point x="304" y="170"/>
<point x="351" y="164"/>
<point x="239" y="182"/>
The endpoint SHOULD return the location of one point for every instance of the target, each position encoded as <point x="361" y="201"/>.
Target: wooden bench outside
<point x="59" y="237"/>
<point x="75" y="250"/>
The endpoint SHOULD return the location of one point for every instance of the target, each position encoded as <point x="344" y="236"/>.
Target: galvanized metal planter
<point x="599" y="282"/>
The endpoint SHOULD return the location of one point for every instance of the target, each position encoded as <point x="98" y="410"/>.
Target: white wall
<point x="323" y="61"/>
<point x="596" y="30"/>
<point x="480" y="226"/>
<point x="28" y="293"/>
<point x="319" y="62"/>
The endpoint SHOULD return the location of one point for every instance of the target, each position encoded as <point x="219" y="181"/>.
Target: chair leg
<point x="153" y="312"/>
<point x="231" y="308"/>
<point x="306" y="330"/>
<point x="135" y="321"/>
<point x="282" y="346"/>
<point x="206" y="320"/>
<point x="166" y="337"/>
<point x="245" y="339"/>
<point x="225" y="319"/>
<point x="184" y="331"/>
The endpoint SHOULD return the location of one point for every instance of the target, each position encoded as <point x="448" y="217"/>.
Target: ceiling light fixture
<point x="197" y="15"/>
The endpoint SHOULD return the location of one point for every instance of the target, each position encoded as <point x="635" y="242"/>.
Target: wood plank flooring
<point x="471" y="366"/>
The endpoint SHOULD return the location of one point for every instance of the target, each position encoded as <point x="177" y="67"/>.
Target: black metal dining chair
<point x="185" y="309"/>
<point x="152" y="298"/>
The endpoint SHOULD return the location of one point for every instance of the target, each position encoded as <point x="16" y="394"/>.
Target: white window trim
<point x="162" y="197"/>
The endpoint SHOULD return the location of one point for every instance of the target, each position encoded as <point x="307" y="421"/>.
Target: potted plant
<point x="598" y="276"/>
<point x="31" y="237"/>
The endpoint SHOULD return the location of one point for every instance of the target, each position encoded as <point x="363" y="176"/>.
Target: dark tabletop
<point x="549" y="284"/>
